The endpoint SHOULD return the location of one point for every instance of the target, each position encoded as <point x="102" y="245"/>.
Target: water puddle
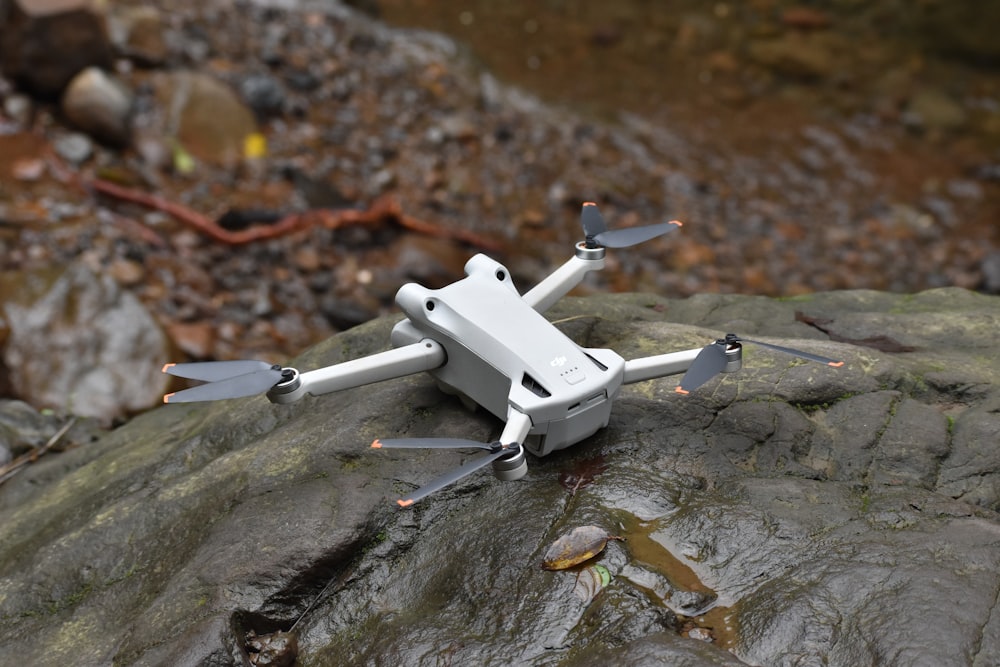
<point x="705" y="613"/>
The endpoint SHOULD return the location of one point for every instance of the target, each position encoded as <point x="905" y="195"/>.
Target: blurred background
<point x="807" y="146"/>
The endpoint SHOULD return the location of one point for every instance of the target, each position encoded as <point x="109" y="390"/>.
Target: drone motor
<point x="511" y="467"/>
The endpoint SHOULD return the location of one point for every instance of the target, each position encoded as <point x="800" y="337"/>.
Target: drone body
<point x="482" y="340"/>
<point x="503" y="355"/>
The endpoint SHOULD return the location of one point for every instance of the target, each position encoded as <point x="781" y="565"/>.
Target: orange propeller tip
<point x="681" y="390"/>
<point x="404" y="503"/>
<point x="589" y="203"/>
<point x="166" y="398"/>
<point x="835" y="364"/>
<point x="677" y="222"/>
<point x="376" y="444"/>
<point x="166" y="366"/>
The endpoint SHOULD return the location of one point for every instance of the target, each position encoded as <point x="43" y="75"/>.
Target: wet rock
<point x="77" y="342"/>
<point x="74" y="147"/>
<point x="795" y="54"/>
<point x="195" y="339"/>
<point x="44" y="44"/>
<point x="798" y="499"/>
<point x="19" y="150"/>
<point x="344" y="313"/>
<point x="211" y="121"/>
<point x="962" y="28"/>
<point x="932" y="109"/>
<point x="991" y="273"/>
<point x="100" y="105"/>
<point x="264" y="94"/>
<point x="18" y="108"/>
<point x="806" y="18"/>
<point x="22" y="427"/>
<point x="138" y="33"/>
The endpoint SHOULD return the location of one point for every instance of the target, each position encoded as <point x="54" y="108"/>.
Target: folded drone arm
<point x="517" y="427"/>
<point x="661" y="365"/>
<point x="506" y="455"/>
<point x="424" y="355"/>
<point x="543" y="295"/>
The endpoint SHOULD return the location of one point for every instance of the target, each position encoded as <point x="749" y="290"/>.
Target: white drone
<point x="492" y="347"/>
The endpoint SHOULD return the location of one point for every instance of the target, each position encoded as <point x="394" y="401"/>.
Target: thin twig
<point x="12" y="468"/>
<point x="385" y="209"/>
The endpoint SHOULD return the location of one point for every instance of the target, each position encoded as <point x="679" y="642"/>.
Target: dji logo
<point x="557" y="362"/>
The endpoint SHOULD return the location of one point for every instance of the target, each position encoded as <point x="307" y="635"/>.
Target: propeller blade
<point x="709" y="363"/>
<point x="630" y="236"/>
<point x="458" y="473"/>
<point x="598" y="234"/>
<point x="592" y="220"/>
<point x="212" y="371"/>
<point x="796" y="353"/>
<point x="712" y="359"/>
<point x="234" y="387"/>
<point x="430" y="443"/>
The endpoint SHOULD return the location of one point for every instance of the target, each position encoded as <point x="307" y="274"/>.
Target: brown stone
<point x="100" y="105"/>
<point x="45" y="43"/>
<point x="144" y="42"/>
<point x="211" y="121"/>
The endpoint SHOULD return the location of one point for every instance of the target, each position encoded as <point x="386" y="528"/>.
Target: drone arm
<point x="414" y="358"/>
<point x="647" y="368"/>
<point x="506" y="455"/>
<point x="543" y="295"/>
<point x="517" y="427"/>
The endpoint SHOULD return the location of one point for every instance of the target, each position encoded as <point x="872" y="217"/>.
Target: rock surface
<point x="71" y="339"/>
<point x="209" y="118"/>
<point x="44" y="44"/>
<point x="789" y="514"/>
<point x="99" y="104"/>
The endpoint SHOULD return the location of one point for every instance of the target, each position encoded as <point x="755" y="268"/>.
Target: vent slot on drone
<point x="534" y="386"/>
<point x="596" y="362"/>
<point x="599" y="396"/>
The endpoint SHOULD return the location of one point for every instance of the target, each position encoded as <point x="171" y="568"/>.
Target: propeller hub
<point x="289" y="382"/>
<point x="589" y="249"/>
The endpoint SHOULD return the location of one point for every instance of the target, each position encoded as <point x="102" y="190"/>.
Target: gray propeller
<point x="598" y="234"/>
<point x="496" y="451"/>
<point x="712" y="359"/>
<point x="226" y="379"/>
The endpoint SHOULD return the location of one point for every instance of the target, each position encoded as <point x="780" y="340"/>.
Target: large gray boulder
<point x="791" y="514"/>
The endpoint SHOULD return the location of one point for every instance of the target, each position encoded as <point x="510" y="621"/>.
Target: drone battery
<point x="582" y="420"/>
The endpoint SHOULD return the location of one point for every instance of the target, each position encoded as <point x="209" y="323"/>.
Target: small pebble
<point x="74" y="147"/>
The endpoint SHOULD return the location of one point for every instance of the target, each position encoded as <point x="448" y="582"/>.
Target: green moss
<point x="866" y="501"/>
<point x="71" y="600"/>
